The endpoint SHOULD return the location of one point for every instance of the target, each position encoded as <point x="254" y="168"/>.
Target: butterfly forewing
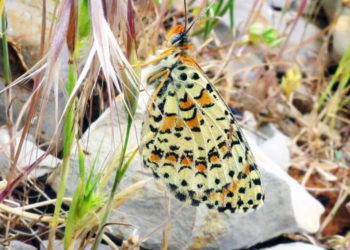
<point x="192" y="142"/>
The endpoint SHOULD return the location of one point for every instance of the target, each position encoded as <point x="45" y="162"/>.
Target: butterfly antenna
<point x="198" y="17"/>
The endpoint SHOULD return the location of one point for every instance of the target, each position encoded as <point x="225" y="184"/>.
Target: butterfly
<point x="190" y="138"/>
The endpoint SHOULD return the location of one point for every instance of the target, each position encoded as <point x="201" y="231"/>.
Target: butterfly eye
<point x="176" y="38"/>
<point x="179" y="39"/>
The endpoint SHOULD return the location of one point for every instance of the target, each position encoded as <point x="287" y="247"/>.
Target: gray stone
<point x="27" y="39"/>
<point x="341" y="29"/>
<point x="288" y="207"/>
<point x="274" y="139"/>
<point x="29" y="153"/>
<point x="17" y="245"/>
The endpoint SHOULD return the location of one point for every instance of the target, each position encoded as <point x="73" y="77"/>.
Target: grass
<point x="107" y="47"/>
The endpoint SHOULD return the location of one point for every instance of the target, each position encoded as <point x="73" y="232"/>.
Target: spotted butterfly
<point x="191" y="140"/>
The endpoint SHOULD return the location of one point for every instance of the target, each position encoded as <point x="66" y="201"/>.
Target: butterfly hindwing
<point x="193" y="143"/>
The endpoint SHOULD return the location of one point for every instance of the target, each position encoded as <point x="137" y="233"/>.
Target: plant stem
<point x="118" y="176"/>
<point x="7" y="70"/>
<point x="68" y="140"/>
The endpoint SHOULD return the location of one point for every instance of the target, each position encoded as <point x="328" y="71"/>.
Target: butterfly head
<point x="177" y="36"/>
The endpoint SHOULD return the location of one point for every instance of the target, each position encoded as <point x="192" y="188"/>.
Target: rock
<point x="18" y="245"/>
<point x="293" y="246"/>
<point x="341" y="32"/>
<point x="275" y="139"/>
<point x="339" y="13"/>
<point x="26" y="12"/>
<point x="29" y="153"/>
<point x="27" y="40"/>
<point x="288" y="207"/>
<point x="58" y="245"/>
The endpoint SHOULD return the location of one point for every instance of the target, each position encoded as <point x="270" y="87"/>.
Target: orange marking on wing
<point x="223" y="149"/>
<point x="179" y="123"/>
<point x="205" y="99"/>
<point x="201" y="167"/>
<point x="246" y="169"/>
<point x="174" y="30"/>
<point x="189" y="61"/>
<point x="233" y="187"/>
<point x="171" y="158"/>
<point x="168" y="123"/>
<point x="212" y="196"/>
<point x="186" y="161"/>
<point x="186" y="105"/>
<point x="194" y="122"/>
<point x="154" y="157"/>
<point x="213" y="158"/>
<point x="225" y="191"/>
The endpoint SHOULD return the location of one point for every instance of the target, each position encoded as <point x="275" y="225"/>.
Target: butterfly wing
<point x="193" y="143"/>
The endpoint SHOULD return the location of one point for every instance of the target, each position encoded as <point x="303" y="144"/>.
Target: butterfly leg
<point x="166" y="53"/>
<point x="164" y="75"/>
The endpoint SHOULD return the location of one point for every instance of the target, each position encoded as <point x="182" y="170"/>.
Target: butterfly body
<point x="190" y="139"/>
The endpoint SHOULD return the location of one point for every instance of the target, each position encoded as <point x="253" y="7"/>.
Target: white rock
<point x="341" y="33"/>
<point x="20" y="12"/>
<point x="341" y="28"/>
<point x="288" y="207"/>
<point x="29" y="153"/>
<point x="294" y="246"/>
<point x="17" y="245"/>
<point x="27" y="37"/>
<point x="275" y="141"/>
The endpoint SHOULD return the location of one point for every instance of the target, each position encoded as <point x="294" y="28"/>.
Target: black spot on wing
<point x="172" y="187"/>
<point x="195" y="202"/>
<point x="181" y="67"/>
<point x="149" y="143"/>
<point x="181" y="196"/>
<point x="231" y="173"/>
<point x="174" y="147"/>
<point x="184" y="99"/>
<point x="153" y="129"/>
<point x="195" y="76"/>
<point x="200" y="94"/>
<point x="183" y="76"/>
<point x="183" y="168"/>
<point x="209" y="88"/>
<point x="215" y="166"/>
<point x="196" y="129"/>
<point x="171" y="93"/>
<point x="239" y="134"/>
<point x="257" y="182"/>
<point x="157" y="118"/>
<point x="201" y="173"/>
